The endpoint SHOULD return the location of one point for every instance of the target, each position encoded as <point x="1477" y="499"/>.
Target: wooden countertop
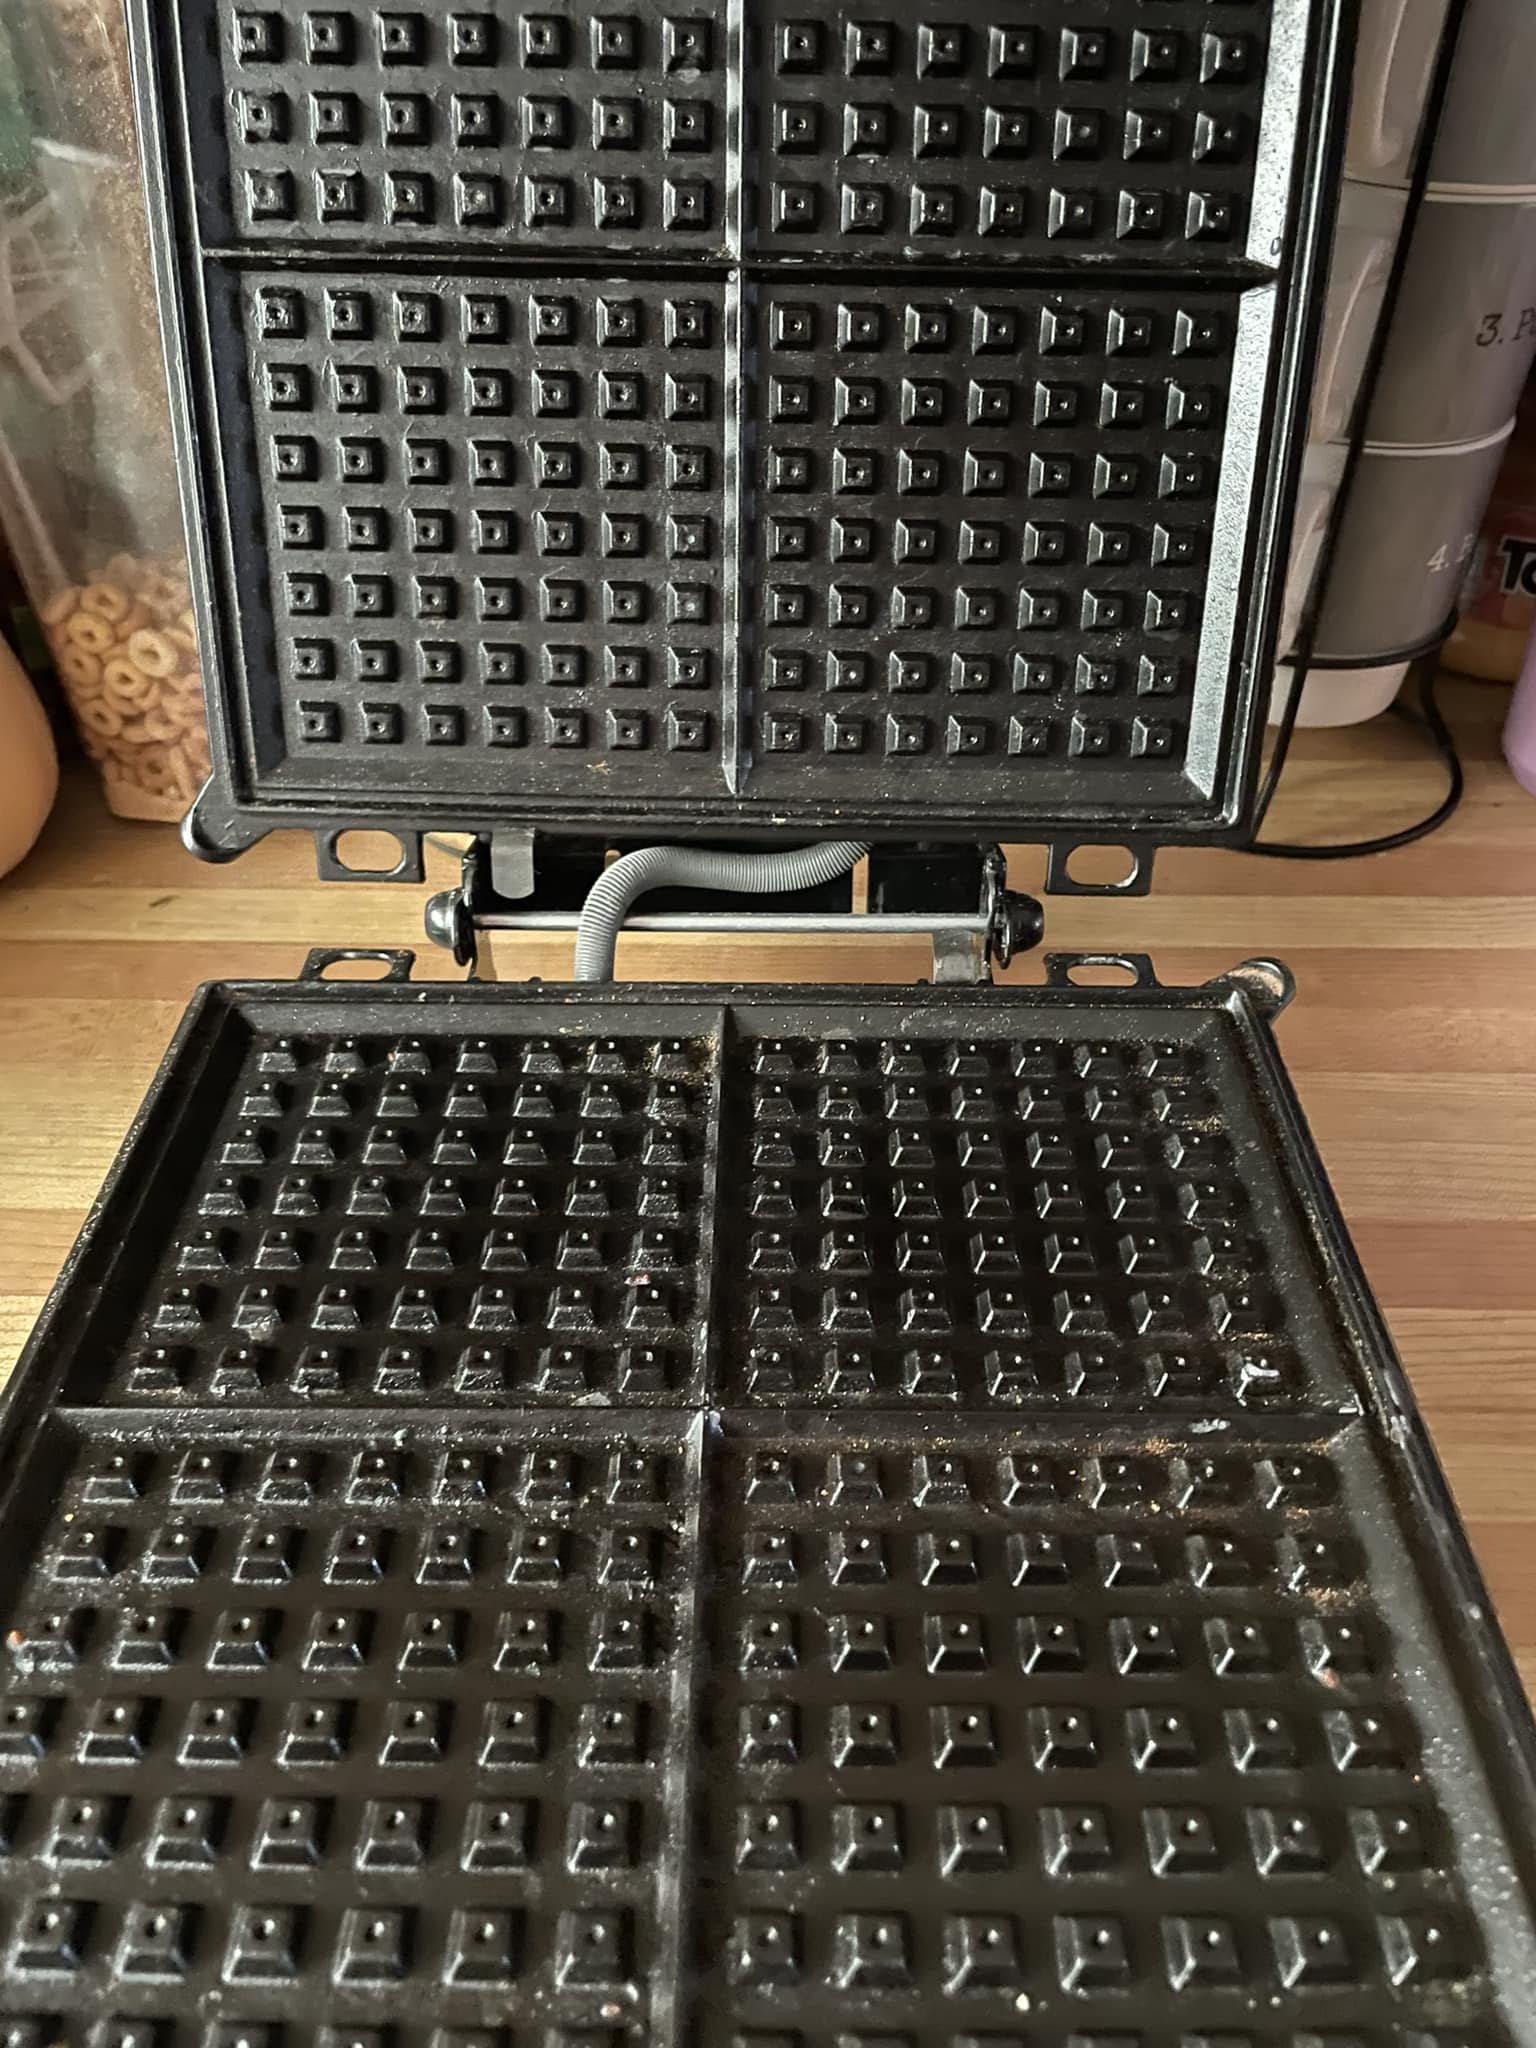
<point x="1412" y="1040"/>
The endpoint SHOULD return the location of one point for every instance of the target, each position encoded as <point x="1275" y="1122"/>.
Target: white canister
<point x="1337" y="696"/>
<point x="1405" y="539"/>
<point x="1395" y="53"/>
<point x="1463" y="331"/>
<point x="1486" y="137"/>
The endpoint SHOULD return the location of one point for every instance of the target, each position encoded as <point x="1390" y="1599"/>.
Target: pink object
<point x="1520" y="726"/>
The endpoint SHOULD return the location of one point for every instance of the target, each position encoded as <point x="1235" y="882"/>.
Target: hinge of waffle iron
<point x="957" y="897"/>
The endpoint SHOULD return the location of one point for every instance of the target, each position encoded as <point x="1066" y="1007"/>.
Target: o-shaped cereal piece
<point x="61" y="606"/>
<point x="107" y="601"/>
<point x="128" y="687"/>
<point x="161" y="723"/>
<point x="87" y="631"/>
<point x="99" y="717"/>
<point x="153" y="653"/>
<point x="154" y="769"/>
<point x="80" y="671"/>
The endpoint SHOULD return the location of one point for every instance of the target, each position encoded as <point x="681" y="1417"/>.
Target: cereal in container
<point x="88" y="491"/>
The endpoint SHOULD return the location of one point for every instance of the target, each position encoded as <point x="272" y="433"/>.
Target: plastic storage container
<point x="87" y="486"/>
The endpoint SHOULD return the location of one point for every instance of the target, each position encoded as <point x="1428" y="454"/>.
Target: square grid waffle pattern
<point x="1041" y="133"/>
<point x="631" y="509"/>
<point x="379" y="1733"/>
<point x="495" y="518"/>
<point x="593" y="1734"/>
<point x="465" y="1607"/>
<point x="413" y="1221"/>
<point x="728" y="1214"/>
<point x="498" y="526"/>
<point x="1045" y="131"/>
<point x="982" y="530"/>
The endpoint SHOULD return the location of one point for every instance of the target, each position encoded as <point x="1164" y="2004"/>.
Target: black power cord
<point x="1431" y="720"/>
<point x="1301" y="665"/>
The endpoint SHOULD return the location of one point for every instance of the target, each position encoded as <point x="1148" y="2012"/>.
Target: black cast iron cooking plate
<point x="875" y="1520"/>
<point x="734" y="418"/>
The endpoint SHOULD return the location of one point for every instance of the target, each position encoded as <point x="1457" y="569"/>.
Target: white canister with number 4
<point x="1405" y="539"/>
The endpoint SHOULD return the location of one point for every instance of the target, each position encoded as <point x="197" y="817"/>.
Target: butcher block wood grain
<point x="1412" y="1041"/>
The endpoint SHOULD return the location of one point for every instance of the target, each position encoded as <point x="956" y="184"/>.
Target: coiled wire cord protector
<point x="615" y="892"/>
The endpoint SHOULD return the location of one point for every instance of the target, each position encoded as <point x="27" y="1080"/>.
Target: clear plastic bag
<point x="87" y="480"/>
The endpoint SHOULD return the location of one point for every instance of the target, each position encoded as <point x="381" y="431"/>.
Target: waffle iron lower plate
<point x="887" y="1519"/>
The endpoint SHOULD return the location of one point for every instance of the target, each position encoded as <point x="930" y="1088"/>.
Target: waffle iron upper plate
<point x="721" y="419"/>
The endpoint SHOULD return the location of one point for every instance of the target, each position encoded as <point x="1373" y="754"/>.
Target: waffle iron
<point x="614" y="1516"/>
